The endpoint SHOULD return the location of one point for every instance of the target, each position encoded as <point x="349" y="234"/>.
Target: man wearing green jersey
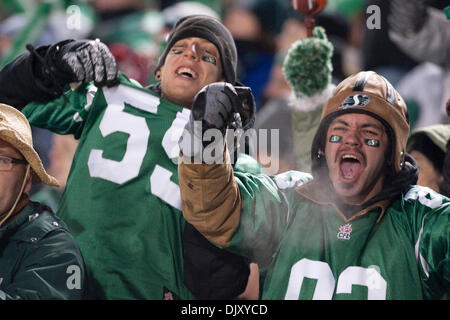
<point x="360" y="229"/>
<point x="122" y="200"/>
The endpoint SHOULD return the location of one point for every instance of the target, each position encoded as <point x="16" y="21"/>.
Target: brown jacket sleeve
<point x="210" y="199"/>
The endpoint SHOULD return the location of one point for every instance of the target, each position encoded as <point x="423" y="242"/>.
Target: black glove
<point x="77" y="60"/>
<point x="216" y="106"/>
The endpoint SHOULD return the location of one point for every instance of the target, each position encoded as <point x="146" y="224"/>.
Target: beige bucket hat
<point x="15" y="129"/>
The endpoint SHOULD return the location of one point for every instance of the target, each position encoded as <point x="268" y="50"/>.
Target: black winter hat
<point x="208" y="28"/>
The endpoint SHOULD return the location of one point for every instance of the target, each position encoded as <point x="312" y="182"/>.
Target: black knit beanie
<point x="208" y="28"/>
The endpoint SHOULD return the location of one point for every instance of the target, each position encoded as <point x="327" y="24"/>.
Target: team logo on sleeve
<point x="345" y="231"/>
<point x="356" y="100"/>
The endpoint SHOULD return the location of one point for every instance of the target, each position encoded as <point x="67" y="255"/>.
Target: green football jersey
<point x="122" y="200"/>
<point x="308" y="251"/>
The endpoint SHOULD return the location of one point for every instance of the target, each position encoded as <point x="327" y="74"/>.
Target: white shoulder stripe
<point x="417" y="252"/>
<point x="137" y="98"/>
<point x="89" y="97"/>
<point x="426" y="196"/>
<point x="268" y="180"/>
<point x="77" y="117"/>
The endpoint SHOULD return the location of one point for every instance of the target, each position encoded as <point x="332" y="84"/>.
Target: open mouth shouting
<point x="351" y="166"/>
<point x="187" y="73"/>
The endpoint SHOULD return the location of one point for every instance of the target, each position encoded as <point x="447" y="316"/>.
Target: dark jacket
<point x="39" y="258"/>
<point x="22" y="82"/>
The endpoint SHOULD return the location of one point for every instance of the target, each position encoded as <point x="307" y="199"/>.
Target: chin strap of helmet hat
<point x="25" y="178"/>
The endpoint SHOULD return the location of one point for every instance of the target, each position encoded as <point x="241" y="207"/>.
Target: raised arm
<point x="243" y="212"/>
<point x="43" y="73"/>
<point x="212" y="207"/>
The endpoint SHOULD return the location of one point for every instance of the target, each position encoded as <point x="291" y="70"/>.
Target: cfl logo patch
<point x="344" y="232"/>
<point x="356" y="100"/>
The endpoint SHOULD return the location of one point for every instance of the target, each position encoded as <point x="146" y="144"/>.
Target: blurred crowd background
<point x="263" y="30"/>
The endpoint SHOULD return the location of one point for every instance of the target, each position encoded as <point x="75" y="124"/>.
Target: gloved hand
<point x="78" y="60"/>
<point x="216" y="106"/>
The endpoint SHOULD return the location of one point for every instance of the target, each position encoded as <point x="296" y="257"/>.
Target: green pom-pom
<point x="307" y="66"/>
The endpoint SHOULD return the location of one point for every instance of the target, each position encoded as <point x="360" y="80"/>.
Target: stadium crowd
<point x="379" y="48"/>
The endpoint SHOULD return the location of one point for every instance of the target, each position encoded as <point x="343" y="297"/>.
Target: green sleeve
<point x="267" y="204"/>
<point x="246" y="163"/>
<point x="63" y="115"/>
<point x="432" y="239"/>
<point x="434" y="249"/>
<point x="68" y="113"/>
<point x="50" y="269"/>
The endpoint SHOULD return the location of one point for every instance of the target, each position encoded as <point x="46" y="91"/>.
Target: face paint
<point x="203" y="55"/>
<point x="372" y="142"/>
<point x="209" y="59"/>
<point x="335" y="139"/>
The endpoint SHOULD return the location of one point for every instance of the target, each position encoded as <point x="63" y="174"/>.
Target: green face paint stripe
<point x="209" y="59"/>
<point x="372" y="142"/>
<point x="335" y="139"/>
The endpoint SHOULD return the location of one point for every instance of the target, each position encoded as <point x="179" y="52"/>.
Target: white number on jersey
<point x="423" y="195"/>
<point x="115" y="119"/>
<point x="321" y="271"/>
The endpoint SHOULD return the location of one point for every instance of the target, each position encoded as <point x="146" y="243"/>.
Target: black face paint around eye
<point x="372" y="142"/>
<point x="335" y="139"/>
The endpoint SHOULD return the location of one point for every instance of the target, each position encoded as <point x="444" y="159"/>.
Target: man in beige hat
<point x="38" y="257"/>
<point x="361" y="229"/>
